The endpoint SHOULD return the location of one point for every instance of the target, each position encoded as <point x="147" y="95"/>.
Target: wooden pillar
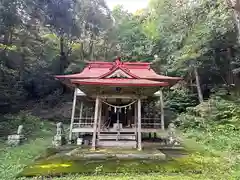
<point x="99" y="117"/>
<point x="73" y="115"/>
<point x="95" y="123"/>
<point x="81" y="112"/>
<point x="80" y="117"/>
<point x="135" y="118"/>
<point x="162" y="111"/>
<point x="105" y="123"/>
<point x="139" y="126"/>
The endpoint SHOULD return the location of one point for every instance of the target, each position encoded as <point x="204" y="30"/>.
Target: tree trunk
<point x="22" y="65"/>
<point x="63" y="63"/>
<point x="91" y="47"/>
<point x="230" y="69"/>
<point x="82" y="51"/>
<point x="235" y="6"/>
<point x="61" y="46"/>
<point x="200" y="95"/>
<point x="237" y="23"/>
<point x="6" y="36"/>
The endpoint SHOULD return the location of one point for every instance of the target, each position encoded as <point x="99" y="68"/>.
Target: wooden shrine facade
<point x="116" y="92"/>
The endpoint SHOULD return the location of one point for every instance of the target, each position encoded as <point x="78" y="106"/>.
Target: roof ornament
<point x="118" y="61"/>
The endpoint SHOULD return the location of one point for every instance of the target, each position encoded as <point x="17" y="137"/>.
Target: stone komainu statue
<point x="20" y="130"/>
<point x="59" y="138"/>
<point x="171" y="130"/>
<point x="59" y="128"/>
<point x="172" y="137"/>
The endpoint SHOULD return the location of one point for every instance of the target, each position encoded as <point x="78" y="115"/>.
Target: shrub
<point x="215" y="123"/>
<point x="32" y="125"/>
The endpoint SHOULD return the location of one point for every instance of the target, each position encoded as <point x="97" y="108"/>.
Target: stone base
<point x="58" y="140"/>
<point x="15" y="140"/>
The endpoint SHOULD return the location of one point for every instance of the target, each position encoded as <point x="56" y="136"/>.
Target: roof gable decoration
<point x="119" y="74"/>
<point x="119" y="69"/>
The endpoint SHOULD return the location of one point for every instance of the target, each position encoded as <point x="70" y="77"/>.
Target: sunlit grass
<point x="49" y="166"/>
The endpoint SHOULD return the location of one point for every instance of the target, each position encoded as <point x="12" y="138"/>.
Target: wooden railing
<point x="147" y="123"/>
<point x="83" y="122"/>
<point x="151" y="123"/>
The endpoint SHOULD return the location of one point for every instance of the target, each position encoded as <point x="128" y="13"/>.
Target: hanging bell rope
<point x="119" y="107"/>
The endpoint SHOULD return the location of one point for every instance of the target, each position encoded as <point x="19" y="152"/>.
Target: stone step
<point x="115" y="136"/>
<point x="122" y="143"/>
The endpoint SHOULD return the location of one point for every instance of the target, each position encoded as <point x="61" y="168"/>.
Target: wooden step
<point x="122" y="143"/>
<point x="115" y="136"/>
<point x="127" y="133"/>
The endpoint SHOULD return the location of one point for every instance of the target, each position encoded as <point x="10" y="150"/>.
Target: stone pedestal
<point x="58" y="140"/>
<point x="15" y="140"/>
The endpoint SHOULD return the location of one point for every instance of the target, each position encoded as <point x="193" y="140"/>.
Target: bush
<point x="179" y="99"/>
<point x="215" y="123"/>
<point x="31" y="124"/>
<point x="215" y="111"/>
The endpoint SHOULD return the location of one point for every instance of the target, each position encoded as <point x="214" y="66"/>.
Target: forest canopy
<point x="196" y="40"/>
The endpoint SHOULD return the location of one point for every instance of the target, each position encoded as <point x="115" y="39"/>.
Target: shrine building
<point x="107" y="102"/>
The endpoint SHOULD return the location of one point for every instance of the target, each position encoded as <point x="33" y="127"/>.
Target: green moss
<point x="193" y="164"/>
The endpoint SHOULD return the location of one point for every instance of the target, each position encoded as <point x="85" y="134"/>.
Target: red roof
<point x="98" y="71"/>
<point x="119" y="82"/>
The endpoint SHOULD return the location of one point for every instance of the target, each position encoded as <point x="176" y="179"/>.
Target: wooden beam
<point x="95" y="124"/>
<point x="120" y="96"/>
<point x="73" y="115"/>
<point x="162" y="110"/>
<point x="139" y="126"/>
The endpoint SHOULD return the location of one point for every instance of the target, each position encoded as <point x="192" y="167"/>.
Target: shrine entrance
<point x="118" y="112"/>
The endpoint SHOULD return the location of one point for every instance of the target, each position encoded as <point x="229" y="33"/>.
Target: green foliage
<point x="18" y="157"/>
<point x="215" y="111"/>
<point x="214" y="123"/>
<point x="39" y="134"/>
<point x="6" y="47"/>
<point x="32" y="125"/>
<point x="180" y="99"/>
